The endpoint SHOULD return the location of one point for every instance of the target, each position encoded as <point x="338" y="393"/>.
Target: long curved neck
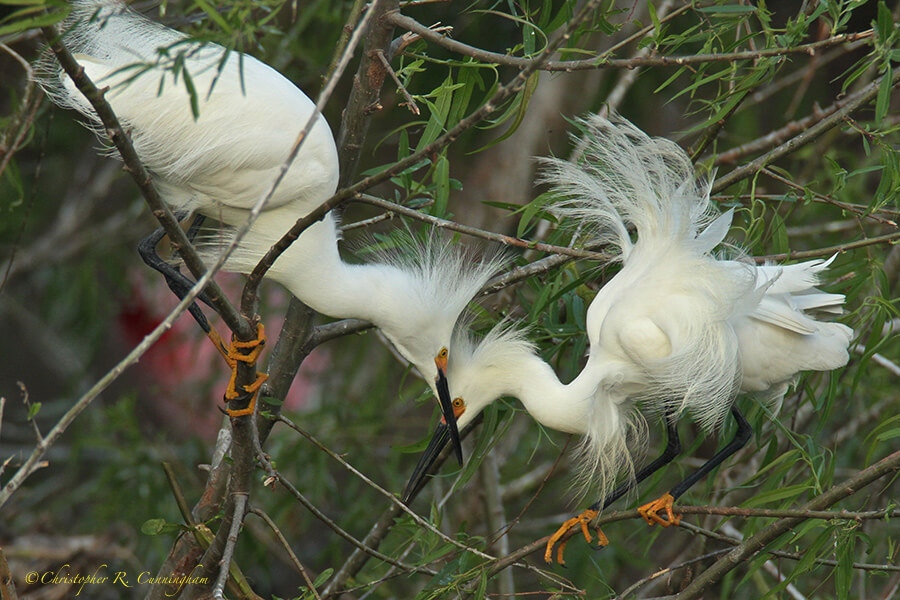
<point x="313" y="271"/>
<point x="560" y="406"/>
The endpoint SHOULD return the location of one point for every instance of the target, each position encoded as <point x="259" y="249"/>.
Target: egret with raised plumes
<point x="214" y="128"/>
<point x="678" y="329"/>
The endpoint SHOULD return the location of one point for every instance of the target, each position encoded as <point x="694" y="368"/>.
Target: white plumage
<point x="677" y="329"/>
<point x="222" y="160"/>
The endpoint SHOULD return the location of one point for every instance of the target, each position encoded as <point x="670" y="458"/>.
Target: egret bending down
<point x="216" y="151"/>
<point x="675" y="330"/>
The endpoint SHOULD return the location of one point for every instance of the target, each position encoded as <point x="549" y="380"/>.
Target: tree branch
<point x="754" y="544"/>
<point x="604" y="62"/>
<point x="858" y="100"/>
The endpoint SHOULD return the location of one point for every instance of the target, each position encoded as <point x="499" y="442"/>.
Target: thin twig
<point x="859" y="210"/>
<point x="382" y="527"/>
<point x="240" y="507"/>
<point x="180" y="500"/>
<point x="30" y="409"/>
<point x="284" y="544"/>
<point x="506" y="240"/>
<point x="410" y="102"/>
<point x="888" y="238"/>
<point x="17" y="129"/>
<point x="604" y="62"/>
<point x="668" y="570"/>
<point x="415" y="517"/>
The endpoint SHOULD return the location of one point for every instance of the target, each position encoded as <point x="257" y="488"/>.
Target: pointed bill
<point x="437" y="443"/>
<point x="449" y="420"/>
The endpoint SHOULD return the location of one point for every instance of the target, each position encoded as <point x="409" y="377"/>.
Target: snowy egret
<point x="676" y="330"/>
<point x="214" y="128"/>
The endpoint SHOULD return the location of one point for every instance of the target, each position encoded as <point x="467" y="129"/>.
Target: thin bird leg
<point x="177" y="281"/>
<point x="650" y="511"/>
<point x="673" y="447"/>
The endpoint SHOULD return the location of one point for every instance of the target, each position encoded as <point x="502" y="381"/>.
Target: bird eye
<point x="443" y="353"/>
<point x="458" y="403"/>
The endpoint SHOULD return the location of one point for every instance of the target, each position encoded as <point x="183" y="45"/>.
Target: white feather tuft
<point x="625" y="179"/>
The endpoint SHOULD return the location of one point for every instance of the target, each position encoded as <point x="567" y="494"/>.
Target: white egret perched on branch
<point x="214" y="127"/>
<point x="676" y="330"/>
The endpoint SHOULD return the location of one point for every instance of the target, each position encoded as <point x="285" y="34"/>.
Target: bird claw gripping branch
<point x="582" y="521"/>
<point x="650" y="511"/>
<point x="233" y="354"/>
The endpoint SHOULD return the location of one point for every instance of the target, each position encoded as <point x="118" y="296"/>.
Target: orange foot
<point x="233" y="356"/>
<point x="582" y="521"/>
<point x="650" y="511"/>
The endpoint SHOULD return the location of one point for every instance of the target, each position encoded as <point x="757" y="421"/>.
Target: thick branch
<point x="769" y="533"/>
<point x="366" y="90"/>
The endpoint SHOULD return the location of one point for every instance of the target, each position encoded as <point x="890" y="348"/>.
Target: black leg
<point x="177" y="282"/>
<point x="672" y="449"/>
<point x="740" y="439"/>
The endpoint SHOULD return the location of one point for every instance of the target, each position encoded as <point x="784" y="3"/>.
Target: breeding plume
<point x="678" y="329"/>
<point x="216" y="152"/>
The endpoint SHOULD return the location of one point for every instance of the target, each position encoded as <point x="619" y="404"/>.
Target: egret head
<point x="478" y="373"/>
<point x="431" y="283"/>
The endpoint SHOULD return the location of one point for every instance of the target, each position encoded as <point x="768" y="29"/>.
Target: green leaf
<point x="843" y="573"/>
<point x="781" y="493"/>
<point x="654" y="17"/>
<point x="440" y="108"/>
<point x="41" y="20"/>
<point x="214" y="15"/>
<point x="159" y="526"/>
<point x="272" y="401"/>
<point x="520" y="110"/>
<point x="192" y="92"/>
<point x="885" y="23"/>
<point x="33" y="410"/>
<point x="884" y="95"/>
<point x="441" y="179"/>
<point x="531" y="209"/>
<point x="323" y="577"/>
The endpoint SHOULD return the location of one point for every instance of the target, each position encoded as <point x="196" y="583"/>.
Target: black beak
<point x="443" y="390"/>
<point x="441" y="435"/>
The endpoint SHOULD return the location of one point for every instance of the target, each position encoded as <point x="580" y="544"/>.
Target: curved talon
<point x="581" y="521"/>
<point x="220" y="344"/>
<point x="233" y="357"/>
<point x="650" y="511"/>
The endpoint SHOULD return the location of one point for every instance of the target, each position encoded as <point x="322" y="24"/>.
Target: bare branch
<point x="856" y="101"/>
<point x="604" y="62"/>
<point x="506" y="240"/>
<point x="284" y="544"/>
